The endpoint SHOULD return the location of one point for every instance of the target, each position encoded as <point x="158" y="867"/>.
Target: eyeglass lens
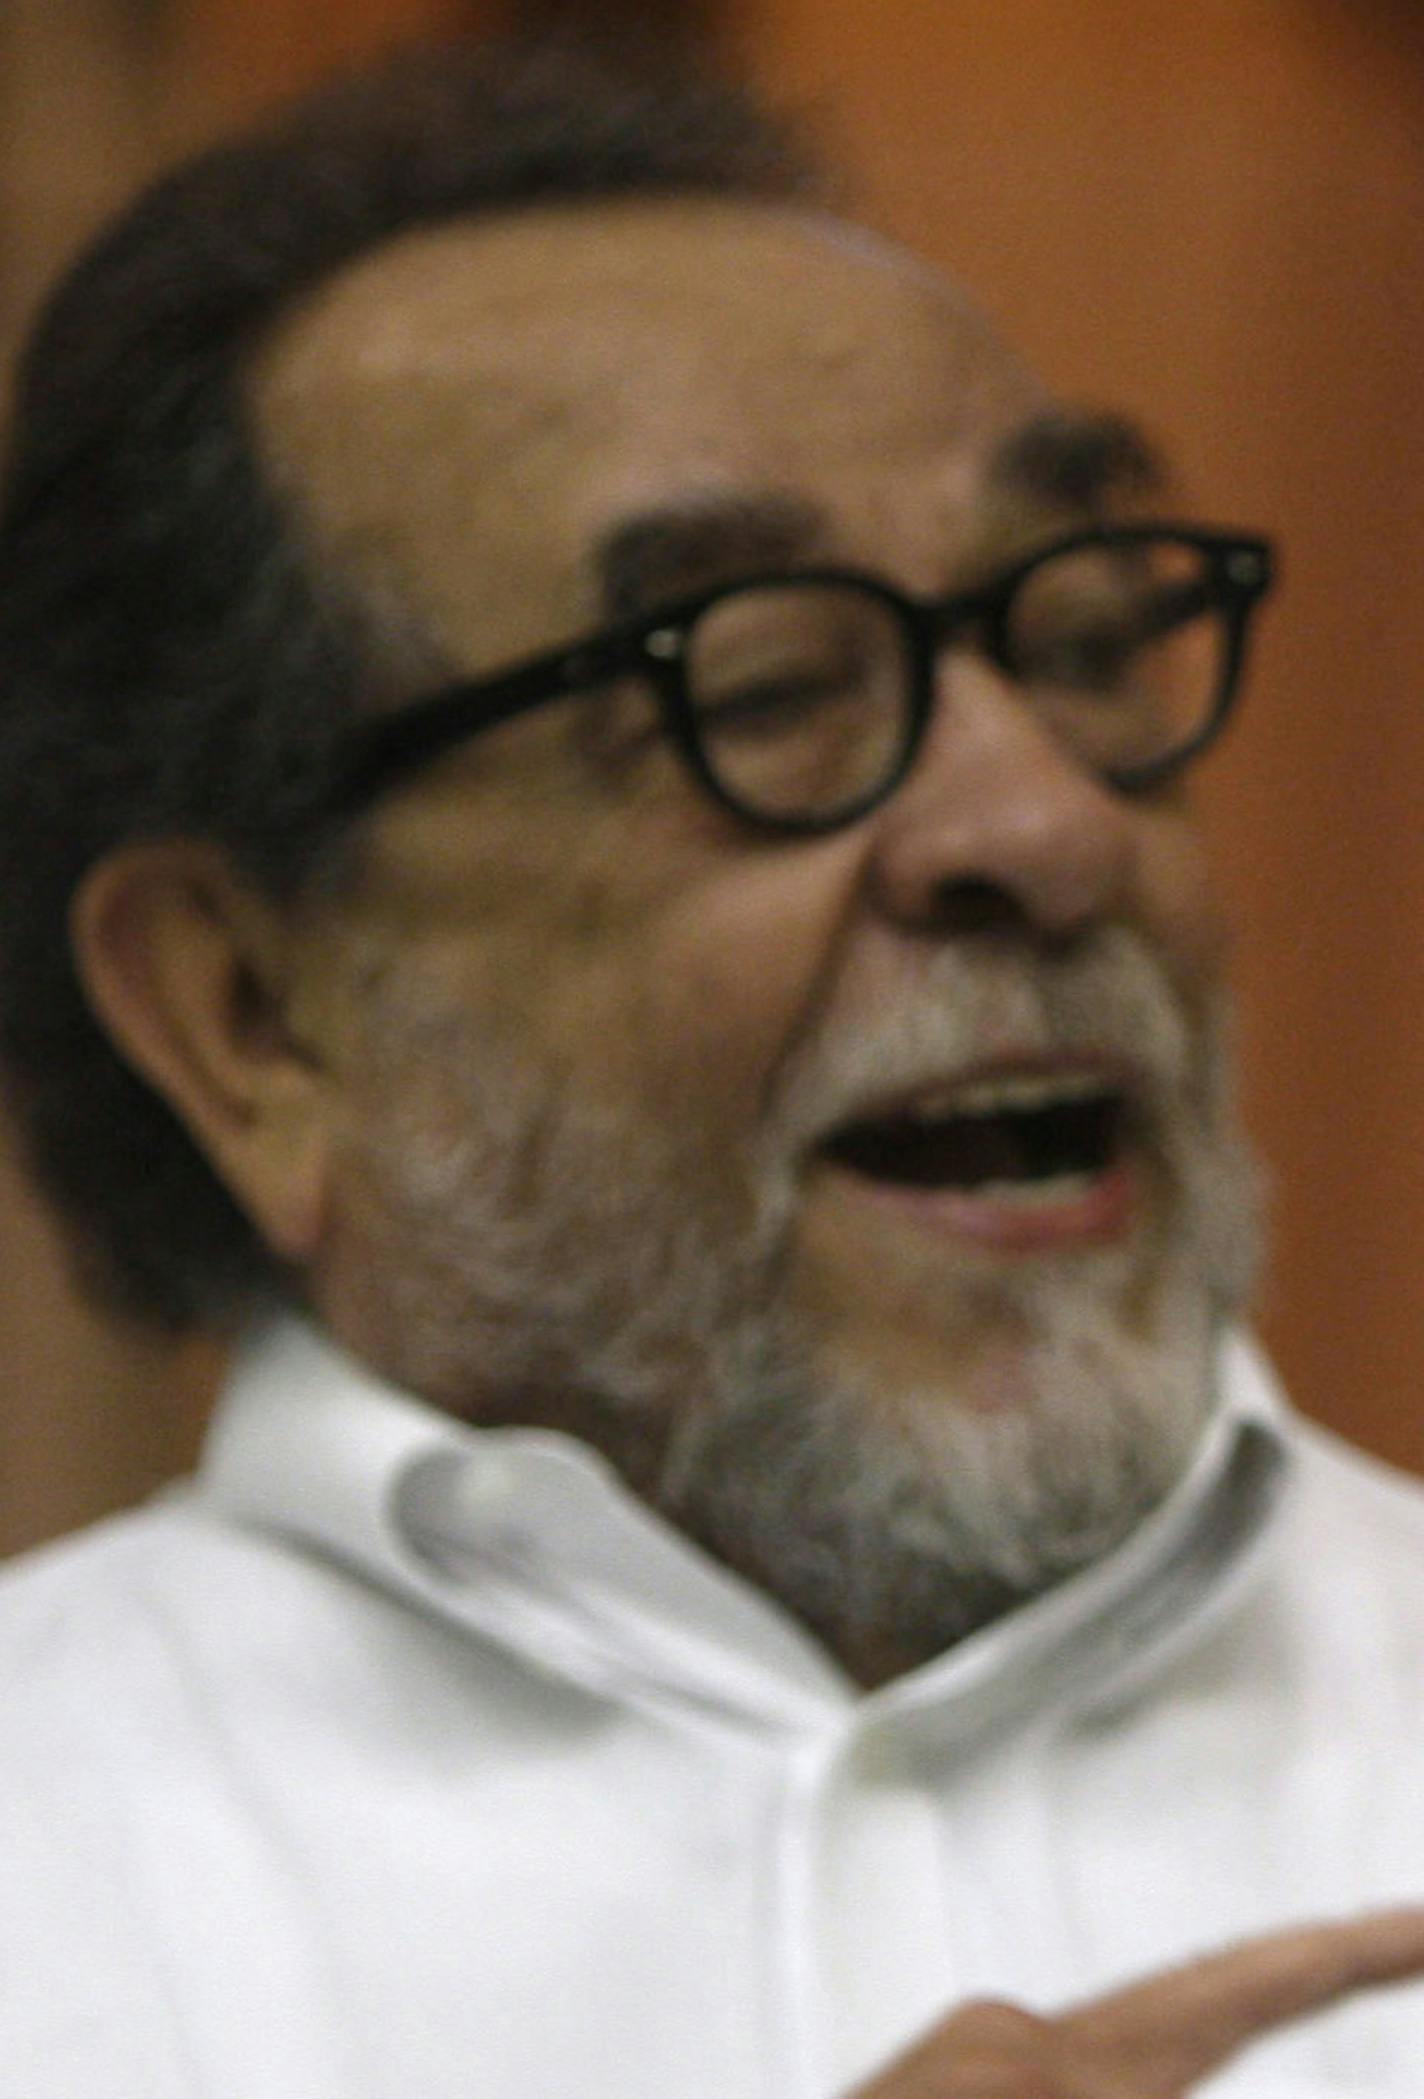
<point x="1119" y="650"/>
<point x="804" y="694"/>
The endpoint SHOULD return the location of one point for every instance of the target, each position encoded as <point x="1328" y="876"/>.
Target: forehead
<point x="465" y="412"/>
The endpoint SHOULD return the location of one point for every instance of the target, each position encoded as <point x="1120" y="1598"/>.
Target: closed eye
<point x="776" y="704"/>
<point x="1095" y="651"/>
<point x="1089" y="658"/>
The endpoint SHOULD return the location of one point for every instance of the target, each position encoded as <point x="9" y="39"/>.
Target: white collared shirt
<point x="396" y="1760"/>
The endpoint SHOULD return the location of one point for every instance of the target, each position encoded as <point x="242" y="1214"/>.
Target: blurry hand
<point x="1156" y="2039"/>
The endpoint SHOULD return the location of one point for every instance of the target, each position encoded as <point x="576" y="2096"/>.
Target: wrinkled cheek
<point x="1184" y="914"/>
<point x="732" y="982"/>
<point x="706" y="1033"/>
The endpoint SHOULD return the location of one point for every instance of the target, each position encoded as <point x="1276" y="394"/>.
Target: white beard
<point x="542" y="1258"/>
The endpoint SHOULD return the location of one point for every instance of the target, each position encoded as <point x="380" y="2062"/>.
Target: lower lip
<point x="1093" y="1216"/>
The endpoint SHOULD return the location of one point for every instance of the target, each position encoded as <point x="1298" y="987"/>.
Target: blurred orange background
<point x="1211" y="216"/>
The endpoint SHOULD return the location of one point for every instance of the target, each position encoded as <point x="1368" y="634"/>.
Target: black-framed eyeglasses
<point x="800" y="700"/>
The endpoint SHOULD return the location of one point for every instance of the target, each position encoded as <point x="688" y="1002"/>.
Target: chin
<point x="899" y="1510"/>
<point x="982" y="1339"/>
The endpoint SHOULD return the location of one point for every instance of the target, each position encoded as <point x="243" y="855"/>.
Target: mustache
<point x="1109" y="1000"/>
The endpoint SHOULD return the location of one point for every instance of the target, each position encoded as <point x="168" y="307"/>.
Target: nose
<point x="999" y="827"/>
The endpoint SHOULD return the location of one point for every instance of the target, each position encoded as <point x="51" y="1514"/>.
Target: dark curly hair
<point x="169" y="661"/>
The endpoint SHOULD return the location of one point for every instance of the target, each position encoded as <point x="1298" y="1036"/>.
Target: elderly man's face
<point x="899" y="1147"/>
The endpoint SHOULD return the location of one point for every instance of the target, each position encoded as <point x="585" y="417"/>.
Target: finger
<point x="1177" y="2027"/>
<point x="984" y="2050"/>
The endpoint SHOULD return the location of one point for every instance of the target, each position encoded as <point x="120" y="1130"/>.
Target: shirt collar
<point x="528" y="1538"/>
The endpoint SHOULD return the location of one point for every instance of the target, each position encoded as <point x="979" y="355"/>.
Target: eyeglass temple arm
<point x="391" y="745"/>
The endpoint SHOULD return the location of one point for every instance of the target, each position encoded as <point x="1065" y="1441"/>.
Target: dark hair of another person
<point x="170" y="663"/>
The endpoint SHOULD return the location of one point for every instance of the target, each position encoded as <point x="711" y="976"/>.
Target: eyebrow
<point x="702" y="539"/>
<point x="1077" y="459"/>
<point x="1066" y="459"/>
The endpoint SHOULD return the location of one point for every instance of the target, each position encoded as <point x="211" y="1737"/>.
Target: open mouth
<point x="1024" y="1139"/>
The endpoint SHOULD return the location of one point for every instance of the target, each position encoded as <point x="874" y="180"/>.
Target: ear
<point x="196" y="976"/>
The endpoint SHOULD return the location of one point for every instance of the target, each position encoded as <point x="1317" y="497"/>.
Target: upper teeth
<point x="1008" y="1095"/>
